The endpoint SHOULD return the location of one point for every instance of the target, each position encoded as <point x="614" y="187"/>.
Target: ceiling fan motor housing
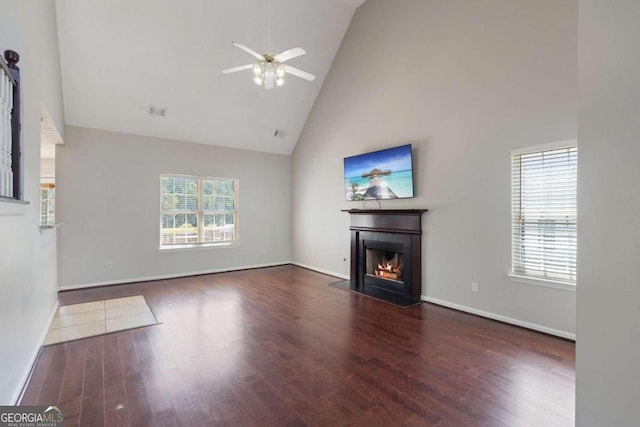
<point x="269" y="73"/>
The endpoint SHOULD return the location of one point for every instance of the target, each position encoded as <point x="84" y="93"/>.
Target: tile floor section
<point x="77" y="321"/>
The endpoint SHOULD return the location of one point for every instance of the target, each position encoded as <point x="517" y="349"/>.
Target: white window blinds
<point x="198" y="210"/>
<point x="47" y="205"/>
<point x="544" y="213"/>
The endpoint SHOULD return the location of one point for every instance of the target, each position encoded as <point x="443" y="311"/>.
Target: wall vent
<point x="154" y="110"/>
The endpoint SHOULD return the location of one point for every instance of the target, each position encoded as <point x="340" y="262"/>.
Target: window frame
<point x="48" y="200"/>
<point x="518" y="275"/>
<point x="200" y="213"/>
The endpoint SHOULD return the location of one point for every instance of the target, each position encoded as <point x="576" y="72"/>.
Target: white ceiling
<point x="120" y="56"/>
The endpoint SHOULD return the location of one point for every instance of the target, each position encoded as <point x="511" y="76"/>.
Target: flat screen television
<point x="379" y="175"/>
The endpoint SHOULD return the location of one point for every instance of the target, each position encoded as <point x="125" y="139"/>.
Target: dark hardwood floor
<point x="277" y="346"/>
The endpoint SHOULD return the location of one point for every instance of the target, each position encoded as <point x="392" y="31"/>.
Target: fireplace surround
<point x="386" y="255"/>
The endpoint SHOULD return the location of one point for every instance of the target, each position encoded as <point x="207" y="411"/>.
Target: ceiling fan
<point x="270" y="69"/>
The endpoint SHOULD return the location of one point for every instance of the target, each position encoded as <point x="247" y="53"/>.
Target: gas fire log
<point x="388" y="271"/>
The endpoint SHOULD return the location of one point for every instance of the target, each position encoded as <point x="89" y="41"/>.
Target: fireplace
<point x="386" y="255"/>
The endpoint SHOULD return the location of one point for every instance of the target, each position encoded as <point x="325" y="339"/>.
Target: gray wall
<point x="108" y="200"/>
<point x="608" y="317"/>
<point x="27" y="255"/>
<point x="464" y="82"/>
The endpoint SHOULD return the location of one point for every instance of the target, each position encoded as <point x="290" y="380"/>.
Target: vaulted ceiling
<point x="120" y="56"/>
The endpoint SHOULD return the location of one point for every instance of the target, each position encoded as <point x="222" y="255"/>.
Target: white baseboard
<point x="169" y="276"/>
<point x="500" y="318"/>
<point x="22" y="384"/>
<point x="322" y="270"/>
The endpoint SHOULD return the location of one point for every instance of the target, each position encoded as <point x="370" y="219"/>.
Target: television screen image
<point x="379" y="175"/>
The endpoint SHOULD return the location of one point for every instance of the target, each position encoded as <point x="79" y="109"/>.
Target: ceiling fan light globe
<point x="257" y="69"/>
<point x="280" y="71"/>
<point x="279" y="81"/>
<point x="258" y="80"/>
<point x="269" y="68"/>
<point x="269" y="74"/>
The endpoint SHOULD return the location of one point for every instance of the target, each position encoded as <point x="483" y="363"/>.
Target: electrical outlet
<point x="474" y="286"/>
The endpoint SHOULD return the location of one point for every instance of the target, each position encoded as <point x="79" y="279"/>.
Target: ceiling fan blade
<point x="289" y="54"/>
<point x="299" y="73"/>
<point x="249" y="51"/>
<point x="235" y="69"/>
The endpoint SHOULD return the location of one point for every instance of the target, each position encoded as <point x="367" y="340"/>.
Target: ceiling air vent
<point x="154" y="110"/>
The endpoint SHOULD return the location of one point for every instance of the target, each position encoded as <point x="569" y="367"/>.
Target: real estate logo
<point x="31" y="416"/>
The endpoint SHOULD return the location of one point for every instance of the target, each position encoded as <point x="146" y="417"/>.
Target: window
<point x="47" y="205"/>
<point x="544" y="212"/>
<point x="198" y="211"/>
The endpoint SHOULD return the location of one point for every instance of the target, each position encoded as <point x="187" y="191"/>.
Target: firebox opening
<point x="384" y="264"/>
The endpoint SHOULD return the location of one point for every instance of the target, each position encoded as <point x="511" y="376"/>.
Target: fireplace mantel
<point x="408" y="221"/>
<point x="386" y="211"/>
<point x="395" y="229"/>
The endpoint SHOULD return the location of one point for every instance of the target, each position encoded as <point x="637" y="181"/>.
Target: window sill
<point x="180" y="248"/>
<point x="9" y="206"/>
<point x="44" y="228"/>
<point x="542" y="282"/>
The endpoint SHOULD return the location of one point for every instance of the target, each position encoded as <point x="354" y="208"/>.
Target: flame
<point x="388" y="270"/>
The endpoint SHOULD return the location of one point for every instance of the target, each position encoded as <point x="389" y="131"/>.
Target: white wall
<point x="608" y="317"/>
<point x="48" y="168"/>
<point x="10" y="26"/>
<point x="108" y="199"/>
<point x="44" y="30"/>
<point x="464" y="82"/>
<point x="27" y="256"/>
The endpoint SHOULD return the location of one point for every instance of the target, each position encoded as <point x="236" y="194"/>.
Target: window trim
<point x="556" y="145"/>
<point x="199" y="246"/>
<point x="200" y="214"/>
<point x="537" y="281"/>
<point x="518" y="276"/>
